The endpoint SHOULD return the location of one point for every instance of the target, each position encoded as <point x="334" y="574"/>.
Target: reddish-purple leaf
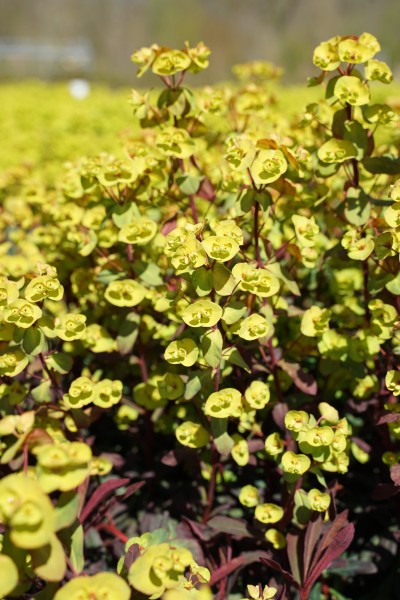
<point x="255" y="445"/>
<point x="206" y="190"/>
<point x="132" y="489"/>
<point x="330" y="532"/>
<point x="278" y="567"/>
<point x="202" y="531"/>
<point x="281" y="594"/>
<point x="231" y="526"/>
<point x="383" y="491"/>
<point x="388" y="418"/>
<point x="313" y="534"/>
<point x="305" y="382"/>
<point x="395" y="474"/>
<point x="339" y="544"/>
<point x="278" y="414"/>
<point x="131" y="555"/>
<point x="168" y="226"/>
<point x="362" y="444"/>
<point x="240" y="561"/>
<point x="100" y="495"/>
<point x="293" y="554"/>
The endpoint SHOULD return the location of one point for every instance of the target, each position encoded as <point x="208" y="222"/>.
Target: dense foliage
<point x="199" y="346"/>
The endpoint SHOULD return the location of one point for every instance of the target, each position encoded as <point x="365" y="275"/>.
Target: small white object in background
<point x="79" y="88"/>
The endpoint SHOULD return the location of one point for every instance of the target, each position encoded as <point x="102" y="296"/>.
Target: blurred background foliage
<point x="63" y="39"/>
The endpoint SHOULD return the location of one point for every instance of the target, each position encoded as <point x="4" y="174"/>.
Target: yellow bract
<point x="192" y="434"/>
<point x="125" y="292"/>
<point x="225" y="403"/>
<point x="268" y="513"/>
<point x="9" y="575"/>
<point x="253" y="327"/>
<point x="27" y="511"/>
<point x="257" y="394"/>
<point x="220" y="247"/>
<point x="139" y="232"/>
<point x="268" y="166"/>
<point x="184" y="352"/>
<point x="295" y="464"/>
<point x="102" y="586"/>
<point x="318" y="500"/>
<point x="202" y="313"/>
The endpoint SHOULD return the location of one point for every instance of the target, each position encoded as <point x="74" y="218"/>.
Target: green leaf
<point x="338" y="123"/>
<point x="222" y="440"/>
<point x="202" y="281"/>
<point x="223" y="281"/>
<point x="233" y="312"/>
<point x="106" y="276"/>
<point x="123" y="215"/>
<point x="245" y="201"/>
<point x="282" y="274"/>
<point x="42" y="392"/>
<point x="128" y="332"/>
<point x="198" y="381"/>
<point x="386" y="164"/>
<point x="189" y="184"/>
<point x="66" y="510"/>
<point x="354" y="132"/>
<point x="149" y="273"/>
<point x="357" y="207"/>
<point x="77" y="556"/>
<point x="211" y="345"/>
<point x="60" y="362"/>
<point x="233" y="356"/>
<point x="393" y="286"/>
<point x="34" y="341"/>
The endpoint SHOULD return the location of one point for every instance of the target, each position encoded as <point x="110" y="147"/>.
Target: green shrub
<point x="199" y="344"/>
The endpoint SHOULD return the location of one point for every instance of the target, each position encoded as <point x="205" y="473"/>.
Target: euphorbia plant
<point x="211" y="320"/>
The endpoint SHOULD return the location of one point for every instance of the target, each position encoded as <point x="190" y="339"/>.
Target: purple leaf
<point x="395" y="474"/>
<point x="339" y="544"/>
<point x="293" y="554"/>
<point x="131" y="555"/>
<point x="100" y="495"/>
<point x="236" y="563"/>
<point x="388" y="418"/>
<point x="330" y="533"/>
<point x="202" y="531"/>
<point x="278" y="414"/>
<point x="255" y="445"/>
<point x="234" y="527"/>
<point x="277" y="567"/>
<point x="305" y="382"/>
<point x="383" y="491"/>
<point x="313" y="533"/>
